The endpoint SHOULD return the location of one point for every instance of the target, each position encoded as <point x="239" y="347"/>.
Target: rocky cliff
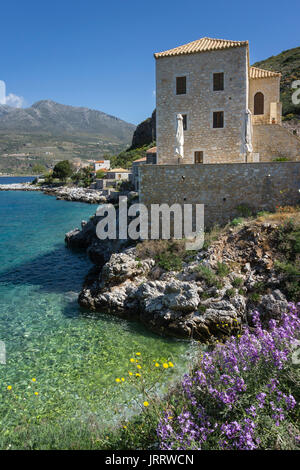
<point x="208" y="294"/>
<point x="145" y="132"/>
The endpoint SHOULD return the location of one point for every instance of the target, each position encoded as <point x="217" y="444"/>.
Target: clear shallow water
<point x="74" y="358"/>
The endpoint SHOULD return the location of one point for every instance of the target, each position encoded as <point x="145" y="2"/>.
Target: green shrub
<point x="204" y="295"/>
<point x="262" y="213"/>
<point x="254" y="297"/>
<point x="63" y="170"/>
<point x="222" y="269"/>
<point x="288" y="264"/>
<point x="237" y="282"/>
<point x="202" y="308"/>
<point x="230" y="293"/>
<point x="259" y="287"/>
<point x="169" y="262"/>
<point x="291" y="284"/>
<point x="244" y="210"/>
<point x="208" y="276"/>
<point x="100" y="174"/>
<point x="281" y="159"/>
<point x="237" y="221"/>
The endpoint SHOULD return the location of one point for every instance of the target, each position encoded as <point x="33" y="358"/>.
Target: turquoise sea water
<point x="75" y="358"/>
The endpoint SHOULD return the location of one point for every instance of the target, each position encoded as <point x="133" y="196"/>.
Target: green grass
<point x="207" y="275"/>
<point x="222" y="269"/>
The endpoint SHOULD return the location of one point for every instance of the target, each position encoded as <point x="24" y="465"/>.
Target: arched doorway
<point x="258" y="103"/>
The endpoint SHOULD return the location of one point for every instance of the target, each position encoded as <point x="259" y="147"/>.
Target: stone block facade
<point x="222" y="187"/>
<point x="243" y="88"/>
<point x="200" y="101"/>
<point x="273" y="141"/>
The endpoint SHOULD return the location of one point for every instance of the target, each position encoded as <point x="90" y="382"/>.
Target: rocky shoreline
<point x="211" y="296"/>
<point x="75" y="194"/>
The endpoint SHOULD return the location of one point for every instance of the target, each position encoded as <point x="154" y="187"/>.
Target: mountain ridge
<point x="56" y="118"/>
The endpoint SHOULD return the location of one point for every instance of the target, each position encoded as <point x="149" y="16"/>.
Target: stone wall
<point x="218" y="145"/>
<point x="221" y="187"/>
<point x="274" y="141"/>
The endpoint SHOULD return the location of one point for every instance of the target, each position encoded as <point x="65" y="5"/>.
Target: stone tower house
<point x="210" y="82"/>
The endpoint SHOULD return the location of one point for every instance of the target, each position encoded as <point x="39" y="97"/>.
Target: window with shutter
<point x="180" y="85"/>
<point x="184" y="122"/>
<point x="218" y="119"/>
<point x="218" y="81"/>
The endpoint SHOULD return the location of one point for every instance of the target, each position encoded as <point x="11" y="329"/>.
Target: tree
<point x="63" y="170"/>
<point x="100" y="174"/>
<point x="38" y="169"/>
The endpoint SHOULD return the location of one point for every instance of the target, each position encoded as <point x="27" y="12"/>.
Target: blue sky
<point x="99" y="54"/>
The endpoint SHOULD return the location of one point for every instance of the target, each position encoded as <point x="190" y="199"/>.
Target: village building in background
<point x="101" y="165"/>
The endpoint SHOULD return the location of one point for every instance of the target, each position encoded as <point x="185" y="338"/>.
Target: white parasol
<point x="179" y="136"/>
<point x="248" y="132"/>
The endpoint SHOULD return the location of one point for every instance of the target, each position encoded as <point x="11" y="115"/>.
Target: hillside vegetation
<point x="48" y="132"/>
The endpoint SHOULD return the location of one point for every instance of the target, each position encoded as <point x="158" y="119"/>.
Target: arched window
<point x="258" y="103"/>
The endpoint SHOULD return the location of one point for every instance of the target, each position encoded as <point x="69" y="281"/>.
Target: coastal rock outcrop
<point x="212" y="295"/>
<point x="90" y="196"/>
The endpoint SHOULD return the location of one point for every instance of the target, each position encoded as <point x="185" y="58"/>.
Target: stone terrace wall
<point x="272" y="141"/>
<point x="222" y="187"/>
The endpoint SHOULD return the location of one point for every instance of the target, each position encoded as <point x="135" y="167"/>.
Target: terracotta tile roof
<point x="152" y="150"/>
<point x="140" y="160"/>
<point x="255" y="72"/>
<point x="201" y="45"/>
<point x="118" y="170"/>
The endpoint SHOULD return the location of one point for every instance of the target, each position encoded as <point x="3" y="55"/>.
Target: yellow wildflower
<point x="156" y="364"/>
<point x="138" y="353"/>
<point x="9" y="387"/>
<point x="130" y="373"/>
<point x="118" y="380"/>
<point x="36" y="393"/>
<point x="137" y="375"/>
<point x="125" y="427"/>
<point x="131" y="359"/>
<point x="33" y="380"/>
<point x="139" y="367"/>
<point x="165" y="365"/>
<point x="123" y="380"/>
<point x="171" y="364"/>
<point x="146" y="403"/>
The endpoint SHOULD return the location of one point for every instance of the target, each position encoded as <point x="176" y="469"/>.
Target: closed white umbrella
<point x="179" y="136"/>
<point x="248" y="132"/>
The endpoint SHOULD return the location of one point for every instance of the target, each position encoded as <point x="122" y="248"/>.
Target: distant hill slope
<point x="48" y="132"/>
<point x="288" y="63"/>
<point x="59" y="119"/>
